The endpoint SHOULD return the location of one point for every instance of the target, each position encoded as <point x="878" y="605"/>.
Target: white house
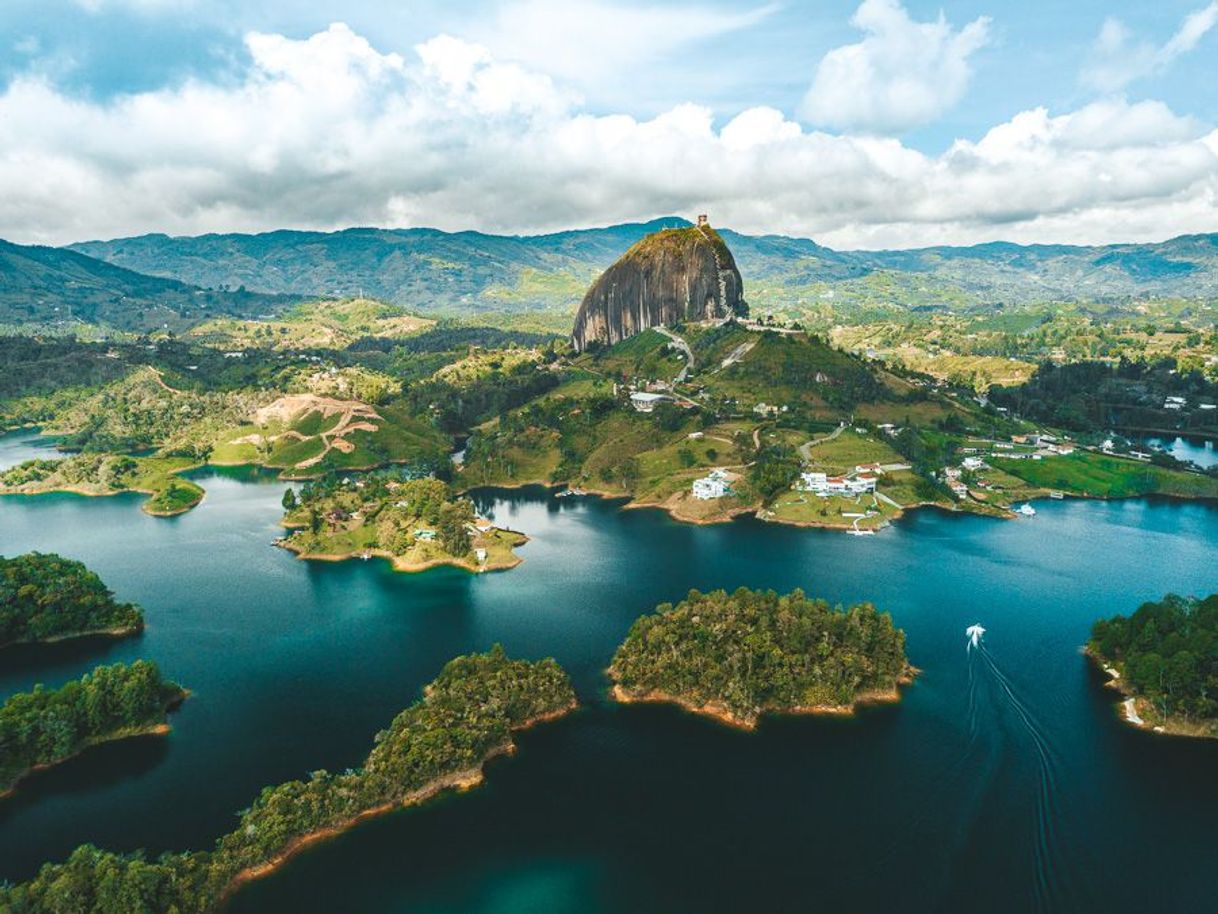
<point x="973" y="463"/>
<point x="713" y="485"/>
<point x="646" y="402"/>
<point x="824" y="485"/>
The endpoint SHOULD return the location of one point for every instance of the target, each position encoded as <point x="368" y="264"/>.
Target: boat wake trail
<point x="1052" y="889"/>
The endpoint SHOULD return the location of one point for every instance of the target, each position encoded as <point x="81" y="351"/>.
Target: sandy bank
<point x="401" y="564"/>
<point x="160" y="729"/>
<point x="465" y="779"/>
<point x="720" y="712"/>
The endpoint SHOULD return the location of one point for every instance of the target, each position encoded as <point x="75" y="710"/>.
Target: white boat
<point x="1026" y="510"/>
<point x="1056" y="496"/>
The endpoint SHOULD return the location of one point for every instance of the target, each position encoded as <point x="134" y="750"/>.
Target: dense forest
<point x="1166" y="652"/>
<point x="46" y="726"/>
<point x="465" y="716"/>
<point x="45" y="596"/>
<point x="1098" y="396"/>
<point x="756" y="651"/>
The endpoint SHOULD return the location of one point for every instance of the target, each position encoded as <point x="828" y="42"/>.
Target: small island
<point x="1164" y="660"/>
<point x="46" y="597"/>
<point x="465" y="717"/>
<point x="738" y="656"/>
<point x="44" y="727"/>
<point x="415" y="523"/>
<point x="110" y="474"/>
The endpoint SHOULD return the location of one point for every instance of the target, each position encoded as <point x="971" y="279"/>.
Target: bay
<point x="1009" y="786"/>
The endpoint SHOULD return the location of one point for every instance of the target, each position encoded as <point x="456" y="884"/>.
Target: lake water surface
<point x="1195" y="450"/>
<point x="999" y="785"/>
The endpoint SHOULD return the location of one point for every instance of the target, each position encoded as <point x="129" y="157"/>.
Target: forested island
<point x="47" y="726"/>
<point x="416" y="523"/>
<point x="46" y="597"/>
<point x="1164" y="659"/>
<point x="109" y="474"/>
<point x="740" y="655"/>
<point x="466" y="716"/>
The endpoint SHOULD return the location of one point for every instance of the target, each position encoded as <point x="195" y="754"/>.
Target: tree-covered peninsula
<point x="46" y="597"/>
<point x="416" y="523"/>
<point x="740" y="655"/>
<point x="47" y="726"/>
<point x="466" y="716"/>
<point x="109" y="474"/>
<point x="1164" y="659"/>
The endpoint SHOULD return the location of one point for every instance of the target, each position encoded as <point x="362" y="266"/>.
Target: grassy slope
<point x="1102" y="476"/>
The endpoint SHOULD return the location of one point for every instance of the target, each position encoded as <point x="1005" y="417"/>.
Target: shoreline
<point x="722" y="714"/>
<point x="160" y="729"/>
<point x="111" y="633"/>
<point x="461" y="781"/>
<point x="88" y="493"/>
<point x="732" y="514"/>
<point x="400" y="565"/>
<point x="1131" y="711"/>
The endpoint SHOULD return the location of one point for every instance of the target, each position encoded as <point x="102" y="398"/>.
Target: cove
<point x="941" y="803"/>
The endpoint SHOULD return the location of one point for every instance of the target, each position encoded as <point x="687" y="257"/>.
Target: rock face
<point x="674" y="275"/>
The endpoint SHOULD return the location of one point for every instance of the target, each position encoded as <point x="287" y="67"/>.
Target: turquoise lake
<point x="1000" y="785"/>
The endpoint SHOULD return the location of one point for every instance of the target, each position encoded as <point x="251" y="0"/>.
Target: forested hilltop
<point x="47" y="726"/>
<point x="45" y="597"/>
<point x="472" y="271"/>
<point x="1165" y="658"/>
<point x="416" y="523"/>
<point x="740" y="655"/>
<point x="466" y="716"/>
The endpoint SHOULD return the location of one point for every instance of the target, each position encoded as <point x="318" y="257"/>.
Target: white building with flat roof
<point x="713" y="485"/>
<point x="646" y="402"/>
<point x="825" y="485"/>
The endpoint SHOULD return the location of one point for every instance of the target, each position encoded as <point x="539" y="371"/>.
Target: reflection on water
<point x="999" y="788"/>
<point x="1192" y="450"/>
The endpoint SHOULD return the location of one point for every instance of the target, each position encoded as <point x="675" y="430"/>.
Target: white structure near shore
<point x="824" y="485"/>
<point x="713" y="485"/>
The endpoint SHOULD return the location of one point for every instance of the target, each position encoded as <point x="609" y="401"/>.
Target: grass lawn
<point x="850" y="449"/>
<point x="1087" y="473"/>
<point x="806" y="508"/>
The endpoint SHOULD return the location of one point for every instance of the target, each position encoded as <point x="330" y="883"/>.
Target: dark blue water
<point x="1004" y="782"/>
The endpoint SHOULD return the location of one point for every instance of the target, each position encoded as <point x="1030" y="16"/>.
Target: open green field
<point x="109" y="474"/>
<point x="795" y="507"/>
<point x="850" y="449"/>
<point x="1103" y="476"/>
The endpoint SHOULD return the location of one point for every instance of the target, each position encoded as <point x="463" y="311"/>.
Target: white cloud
<point x="329" y="131"/>
<point x="1119" y="58"/>
<point x="903" y="74"/>
<point x="595" y="44"/>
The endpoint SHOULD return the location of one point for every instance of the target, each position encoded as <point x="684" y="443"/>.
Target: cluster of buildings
<point x="952" y="478"/>
<point x="861" y="482"/>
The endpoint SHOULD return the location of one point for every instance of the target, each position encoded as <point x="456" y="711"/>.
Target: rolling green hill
<point x="433" y="271"/>
<point x="51" y="285"/>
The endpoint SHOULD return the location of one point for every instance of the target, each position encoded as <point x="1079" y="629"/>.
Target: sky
<point x="864" y="124"/>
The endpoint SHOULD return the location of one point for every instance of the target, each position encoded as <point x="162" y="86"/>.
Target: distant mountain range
<point x="152" y="281"/>
<point x="47" y="285"/>
<point x="433" y="271"/>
